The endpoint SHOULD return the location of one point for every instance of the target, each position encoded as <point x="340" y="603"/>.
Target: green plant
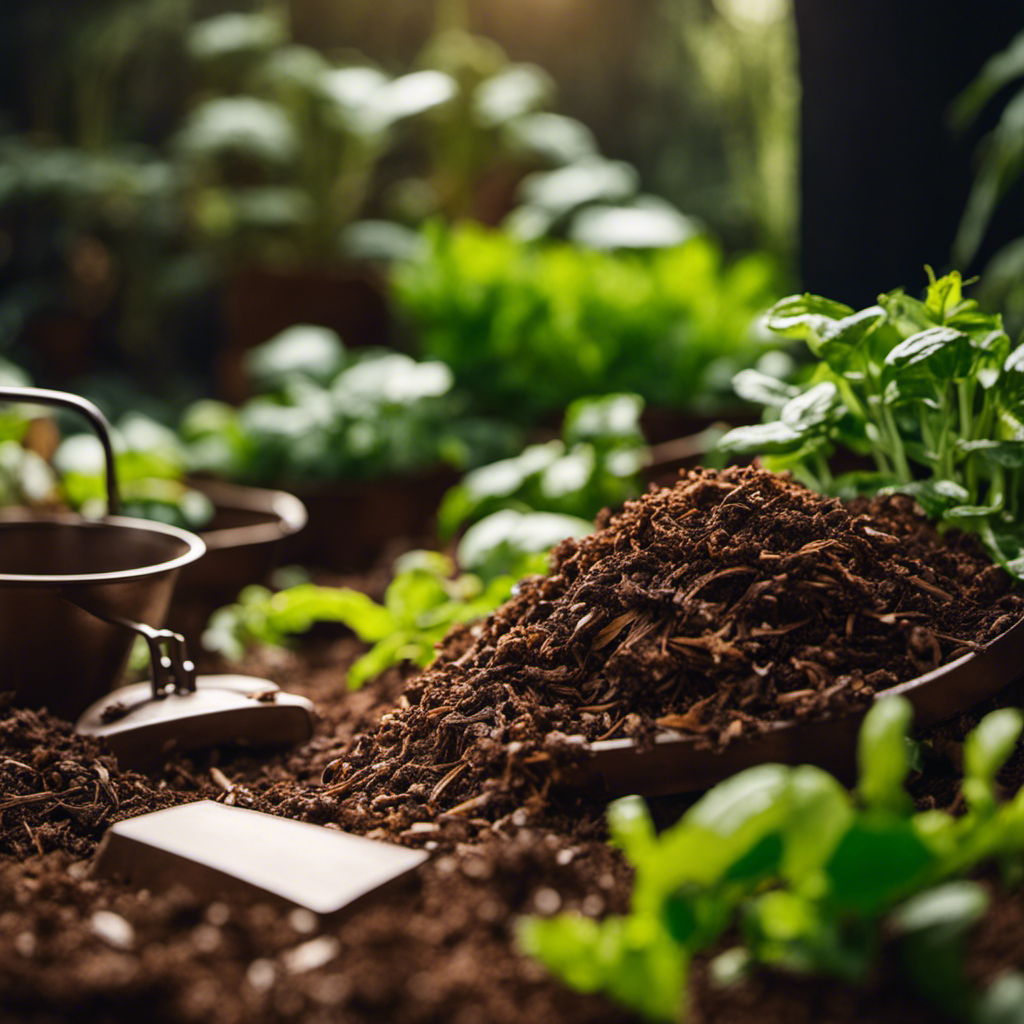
<point x="1002" y="153"/>
<point x="150" y="460"/>
<point x="323" y="413"/>
<point x="423" y="601"/>
<point x="285" y="149"/>
<point x="595" y="465"/>
<point x="932" y="392"/>
<point x="528" y="327"/>
<point x="810" y="877"/>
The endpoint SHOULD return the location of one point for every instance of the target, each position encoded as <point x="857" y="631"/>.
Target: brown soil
<point x="440" y="948"/>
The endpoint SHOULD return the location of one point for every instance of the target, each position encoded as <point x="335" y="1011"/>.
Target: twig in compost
<point x="447" y="781"/>
<point x="38" y="798"/>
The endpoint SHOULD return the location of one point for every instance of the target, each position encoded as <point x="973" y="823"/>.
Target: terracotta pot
<point x="244" y="543"/>
<point x="351" y="522"/>
<point x="260" y="302"/>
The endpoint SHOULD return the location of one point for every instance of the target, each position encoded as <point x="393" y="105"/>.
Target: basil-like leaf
<point x="757" y="387"/>
<point x="772" y="438"/>
<point x="943" y="352"/>
<point x="813" y="408"/>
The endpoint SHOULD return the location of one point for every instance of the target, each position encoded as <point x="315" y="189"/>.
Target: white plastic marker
<point x="213" y="849"/>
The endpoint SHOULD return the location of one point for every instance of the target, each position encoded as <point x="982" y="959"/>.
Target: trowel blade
<point x="142" y="730"/>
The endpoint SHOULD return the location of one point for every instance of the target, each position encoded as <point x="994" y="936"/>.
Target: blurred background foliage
<point x="153" y="152"/>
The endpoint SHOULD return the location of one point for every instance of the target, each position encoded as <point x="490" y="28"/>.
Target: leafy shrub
<point x="151" y="463"/>
<point x="528" y="327"/>
<point x="810" y="877"/>
<point x="595" y="465"/>
<point x="931" y="391"/>
<point x="324" y="413"/>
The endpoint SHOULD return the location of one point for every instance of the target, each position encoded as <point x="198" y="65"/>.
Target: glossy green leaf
<point x="761" y="389"/>
<point x="878" y="860"/>
<point x="772" y="438"/>
<point x="943" y="352"/>
<point x="987" y="748"/>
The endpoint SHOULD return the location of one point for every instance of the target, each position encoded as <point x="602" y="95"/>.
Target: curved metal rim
<point x="935" y="696"/>
<point x="196" y="549"/>
<point x="289" y="511"/>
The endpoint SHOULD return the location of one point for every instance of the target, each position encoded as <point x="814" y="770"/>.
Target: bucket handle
<point x="173" y="669"/>
<point x="63" y="400"/>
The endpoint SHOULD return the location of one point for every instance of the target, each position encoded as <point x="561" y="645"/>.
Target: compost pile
<point x="728" y="601"/>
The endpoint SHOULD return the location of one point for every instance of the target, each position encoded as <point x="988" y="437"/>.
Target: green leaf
<point x="772" y="438"/>
<point x="391" y="650"/>
<point x="815" y="407"/>
<point x="995" y="74"/>
<point x="809" y="317"/>
<point x="1002" y="1002"/>
<point x="413" y="592"/>
<point x="1004" y="453"/>
<point x="820" y="813"/>
<point x="634" y="960"/>
<point x="304" y="350"/>
<point x="733" y="805"/>
<point x="505" y="542"/>
<point x="631" y="828"/>
<point x="953" y="907"/>
<point x="606" y="421"/>
<point x="987" y="748"/>
<point x="934" y="496"/>
<point x="882" y="755"/>
<point x="933" y="928"/>
<point x="972" y="511"/>
<point x="759" y="388"/>
<point x="943" y="352"/>
<point x="295" y="611"/>
<point x="878" y="860"/>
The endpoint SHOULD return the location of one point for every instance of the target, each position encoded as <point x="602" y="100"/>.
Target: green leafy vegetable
<point x="326" y="414"/>
<point x="595" y="465"/>
<point x="811" y="879"/>
<point x="424" y="600"/>
<point x="528" y="327"/>
<point x="151" y="465"/>
<point x="931" y="391"/>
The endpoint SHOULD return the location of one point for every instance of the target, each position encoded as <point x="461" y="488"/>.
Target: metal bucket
<point x="75" y="593"/>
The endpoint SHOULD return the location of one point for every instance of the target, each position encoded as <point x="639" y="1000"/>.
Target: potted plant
<point x="370" y="439"/>
<point x="528" y="326"/>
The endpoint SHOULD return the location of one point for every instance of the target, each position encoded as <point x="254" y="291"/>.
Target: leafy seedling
<point x="813" y="879"/>
<point x="931" y="391"/>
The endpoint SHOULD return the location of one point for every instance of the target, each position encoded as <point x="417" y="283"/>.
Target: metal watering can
<point x="74" y="593"/>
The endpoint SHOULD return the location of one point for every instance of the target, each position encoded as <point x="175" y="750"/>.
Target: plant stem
<point x="899" y="456"/>
<point x="965" y="397"/>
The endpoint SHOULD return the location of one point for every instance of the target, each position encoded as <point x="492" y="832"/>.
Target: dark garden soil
<point x="740" y="597"/>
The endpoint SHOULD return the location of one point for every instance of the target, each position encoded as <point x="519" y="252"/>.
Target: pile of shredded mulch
<point x="734" y="599"/>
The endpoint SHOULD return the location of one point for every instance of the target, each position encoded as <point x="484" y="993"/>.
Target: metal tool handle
<point x="63" y="400"/>
<point x="173" y="669"/>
